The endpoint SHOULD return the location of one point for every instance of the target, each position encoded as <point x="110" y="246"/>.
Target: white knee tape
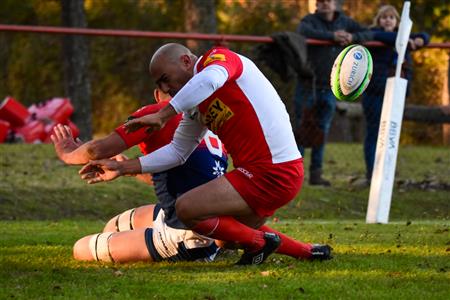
<point x="125" y="220"/>
<point x="99" y="247"/>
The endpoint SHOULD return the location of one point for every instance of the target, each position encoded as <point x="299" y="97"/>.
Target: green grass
<point x="395" y="261"/>
<point x="45" y="208"/>
<point x="34" y="184"/>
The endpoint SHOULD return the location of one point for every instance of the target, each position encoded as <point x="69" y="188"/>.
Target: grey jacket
<point x="314" y="26"/>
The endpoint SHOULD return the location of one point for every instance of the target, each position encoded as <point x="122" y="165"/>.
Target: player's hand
<point x="120" y="157"/>
<point x="100" y="170"/>
<point x="152" y="121"/>
<point x="63" y="140"/>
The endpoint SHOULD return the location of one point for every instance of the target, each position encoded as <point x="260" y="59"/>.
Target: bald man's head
<point x="171" y="67"/>
<point x="169" y="52"/>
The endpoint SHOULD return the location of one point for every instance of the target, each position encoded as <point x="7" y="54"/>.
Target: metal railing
<point x="169" y="35"/>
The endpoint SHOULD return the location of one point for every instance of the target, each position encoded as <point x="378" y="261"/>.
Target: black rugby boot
<point x="321" y="252"/>
<point x="273" y="241"/>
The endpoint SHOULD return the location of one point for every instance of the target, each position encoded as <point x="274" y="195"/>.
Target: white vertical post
<point x="389" y="132"/>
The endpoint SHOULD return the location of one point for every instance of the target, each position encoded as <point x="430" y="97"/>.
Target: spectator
<point x="384" y="27"/>
<point x="313" y="98"/>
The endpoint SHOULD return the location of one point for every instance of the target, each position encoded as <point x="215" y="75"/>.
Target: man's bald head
<point x="171" y="67"/>
<point x="169" y="53"/>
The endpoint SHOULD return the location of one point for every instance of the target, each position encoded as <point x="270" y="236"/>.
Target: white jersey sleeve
<point x="187" y="136"/>
<point x="199" y="87"/>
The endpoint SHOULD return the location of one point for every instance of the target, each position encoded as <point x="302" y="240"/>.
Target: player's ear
<point x="160" y="96"/>
<point x="186" y="60"/>
<point x="156" y="95"/>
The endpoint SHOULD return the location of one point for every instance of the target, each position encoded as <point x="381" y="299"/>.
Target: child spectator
<point x="385" y="26"/>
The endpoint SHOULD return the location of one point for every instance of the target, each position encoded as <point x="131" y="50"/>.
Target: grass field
<point x="395" y="261"/>
<point x="45" y="208"/>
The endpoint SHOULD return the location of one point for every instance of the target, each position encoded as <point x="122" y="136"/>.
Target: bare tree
<point x="76" y="63"/>
<point x="200" y="17"/>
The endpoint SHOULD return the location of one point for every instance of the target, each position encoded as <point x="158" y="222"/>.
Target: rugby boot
<point x="320" y="252"/>
<point x="273" y="241"/>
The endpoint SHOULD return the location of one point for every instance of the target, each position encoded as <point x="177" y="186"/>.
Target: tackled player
<point x="150" y="232"/>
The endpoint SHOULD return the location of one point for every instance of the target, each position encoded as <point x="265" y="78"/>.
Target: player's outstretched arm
<point x="145" y="177"/>
<point x="153" y="121"/>
<point x="63" y="141"/>
<point x="108" y="169"/>
<point x="74" y="152"/>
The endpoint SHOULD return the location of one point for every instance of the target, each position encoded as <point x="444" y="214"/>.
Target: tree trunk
<point x="446" y="102"/>
<point x="200" y="17"/>
<point x="76" y="64"/>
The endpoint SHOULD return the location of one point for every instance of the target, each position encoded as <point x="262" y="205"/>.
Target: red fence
<point x="170" y="35"/>
<point x="347" y="110"/>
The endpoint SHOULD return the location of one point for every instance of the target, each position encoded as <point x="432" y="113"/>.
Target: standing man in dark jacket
<point x="331" y="25"/>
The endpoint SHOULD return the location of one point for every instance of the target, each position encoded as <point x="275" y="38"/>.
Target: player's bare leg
<point x="120" y="247"/>
<point x="140" y="217"/>
<point x="215" y="198"/>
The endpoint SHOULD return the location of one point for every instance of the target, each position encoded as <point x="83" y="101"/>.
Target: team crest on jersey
<point x="216" y="115"/>
<point x="214" y="57"/>
<point x="218" y="170"/>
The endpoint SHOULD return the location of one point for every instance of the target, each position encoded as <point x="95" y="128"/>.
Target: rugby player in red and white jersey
<point x="149" y="232"/>
<point x="226" y="93"/>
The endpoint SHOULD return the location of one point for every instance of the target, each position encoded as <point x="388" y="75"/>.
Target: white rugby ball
<point x="351" y="72"/>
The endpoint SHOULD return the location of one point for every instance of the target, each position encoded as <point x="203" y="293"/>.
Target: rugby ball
<point x="351" y="72"/>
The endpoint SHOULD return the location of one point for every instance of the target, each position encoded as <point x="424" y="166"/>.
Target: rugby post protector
<point x="389" y="132"/>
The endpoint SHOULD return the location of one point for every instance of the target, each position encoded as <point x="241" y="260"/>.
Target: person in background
<point x="384" y="27"/>
<point x="328" y="24"/>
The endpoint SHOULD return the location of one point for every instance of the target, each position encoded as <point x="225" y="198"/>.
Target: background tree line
<point x="32" y="65"/>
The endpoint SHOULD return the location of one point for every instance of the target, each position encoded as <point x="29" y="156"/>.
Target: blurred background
<point x="106" y="79"/>
<point x="37" y="67"/>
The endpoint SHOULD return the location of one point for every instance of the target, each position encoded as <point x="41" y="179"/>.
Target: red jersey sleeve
<point x="149" y="142"/>
<point x="223" y="57"/>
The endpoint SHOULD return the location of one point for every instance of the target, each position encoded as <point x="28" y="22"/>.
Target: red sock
<point x="289" y="246"/>
<point x="227" y="229"/>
